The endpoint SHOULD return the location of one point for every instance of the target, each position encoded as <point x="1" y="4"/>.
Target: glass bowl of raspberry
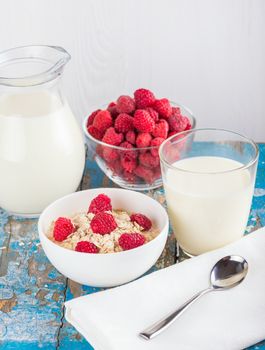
<point x="124" y="137"/>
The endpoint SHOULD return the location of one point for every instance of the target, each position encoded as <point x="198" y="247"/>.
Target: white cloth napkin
<point x="226" y="320"/>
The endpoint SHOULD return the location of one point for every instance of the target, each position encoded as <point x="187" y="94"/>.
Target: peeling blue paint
<point x="34" y="319"/>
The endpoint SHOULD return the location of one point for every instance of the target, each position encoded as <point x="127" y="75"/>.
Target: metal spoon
<point x="226" y="273"/>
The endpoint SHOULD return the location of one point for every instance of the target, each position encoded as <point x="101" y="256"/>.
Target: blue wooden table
<point x="32" y="292"/>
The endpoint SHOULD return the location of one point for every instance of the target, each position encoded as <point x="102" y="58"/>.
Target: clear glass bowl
<point x="109" y="158"/>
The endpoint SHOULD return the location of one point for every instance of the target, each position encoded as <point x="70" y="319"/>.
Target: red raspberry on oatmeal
<point x="103" y="223"/>
<point x="100" y="203"/>
<point x="131" y="240"/>
<point x="102" y="229"/>
<point x="63" y="227"/>
<point x="142" y="220"/>
<point x="86" y="247"/>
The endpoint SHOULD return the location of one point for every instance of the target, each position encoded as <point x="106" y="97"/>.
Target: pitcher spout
<point x="32" y="65"/>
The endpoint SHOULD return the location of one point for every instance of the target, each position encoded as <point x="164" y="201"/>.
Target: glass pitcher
<point x="42" y="152"/>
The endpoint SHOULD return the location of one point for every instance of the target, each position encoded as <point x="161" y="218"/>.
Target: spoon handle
<point x="163" y="324"/>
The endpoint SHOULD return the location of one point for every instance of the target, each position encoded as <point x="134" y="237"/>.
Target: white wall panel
<point x="207" y="54"/>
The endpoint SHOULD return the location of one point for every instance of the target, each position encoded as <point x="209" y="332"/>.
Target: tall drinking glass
<point x="209" y="177"/>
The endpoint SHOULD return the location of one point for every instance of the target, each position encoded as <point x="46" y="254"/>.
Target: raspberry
<point x="112" y="137"/>
<point x="157" y="172"/>
<point x="156" y="143"/>
<point x="109" y="154"/>
<point x="130" y="137"/>
<point x="115" y="167"/>
<point x="143" y="140"/>
<point x="125" y="104"/>
<point x="102" y="120"/>
<point x="130" y="177"/>
<point x="112" y="109"/>
<point x="176" y="111"/>
<point x="128" y="164"/>
<point x="111" y="104"/>
<point x="163" y="107"/>
<point x="161" y="129"/>
<point x="142" y="220"/>
<point x="93" y="131"/>
<point x="63" y="227"/>
<point x="124" y="123"/>
<point x="126" y="144"/>
<point x="154" y="115"/>
<point x="129" y="153"/>
<point x="177" y="122"/>
<point x="99" y="204"/>
<point x="103" y="223"/>
<point x="92" y="117"/>
<point x="143" y="122"/>
<point x="99" y="150"/>
<point x="148" y="160"/>
<point x="131" y="240"/>
<point x="144" y="173"/>
<point x="144" y="98"/>
<point x="188" y="127"/>
<point x="86" y="247"/>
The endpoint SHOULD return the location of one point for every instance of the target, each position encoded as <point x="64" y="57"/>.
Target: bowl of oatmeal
<point x="103" y="237"/>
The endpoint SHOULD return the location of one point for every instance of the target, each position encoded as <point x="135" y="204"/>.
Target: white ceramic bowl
<point x="104" y="270"/>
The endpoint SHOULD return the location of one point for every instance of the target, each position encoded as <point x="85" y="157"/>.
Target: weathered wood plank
<point x="32" y="292"/>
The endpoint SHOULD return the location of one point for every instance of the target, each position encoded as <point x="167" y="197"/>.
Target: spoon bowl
<point x="228" y="272"/>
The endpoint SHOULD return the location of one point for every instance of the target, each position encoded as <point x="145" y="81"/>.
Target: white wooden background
<point x="207" y="54"/>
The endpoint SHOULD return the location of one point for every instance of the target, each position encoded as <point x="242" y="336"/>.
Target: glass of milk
<point x="42" y="152"/>
<point x="208" y="176"/>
